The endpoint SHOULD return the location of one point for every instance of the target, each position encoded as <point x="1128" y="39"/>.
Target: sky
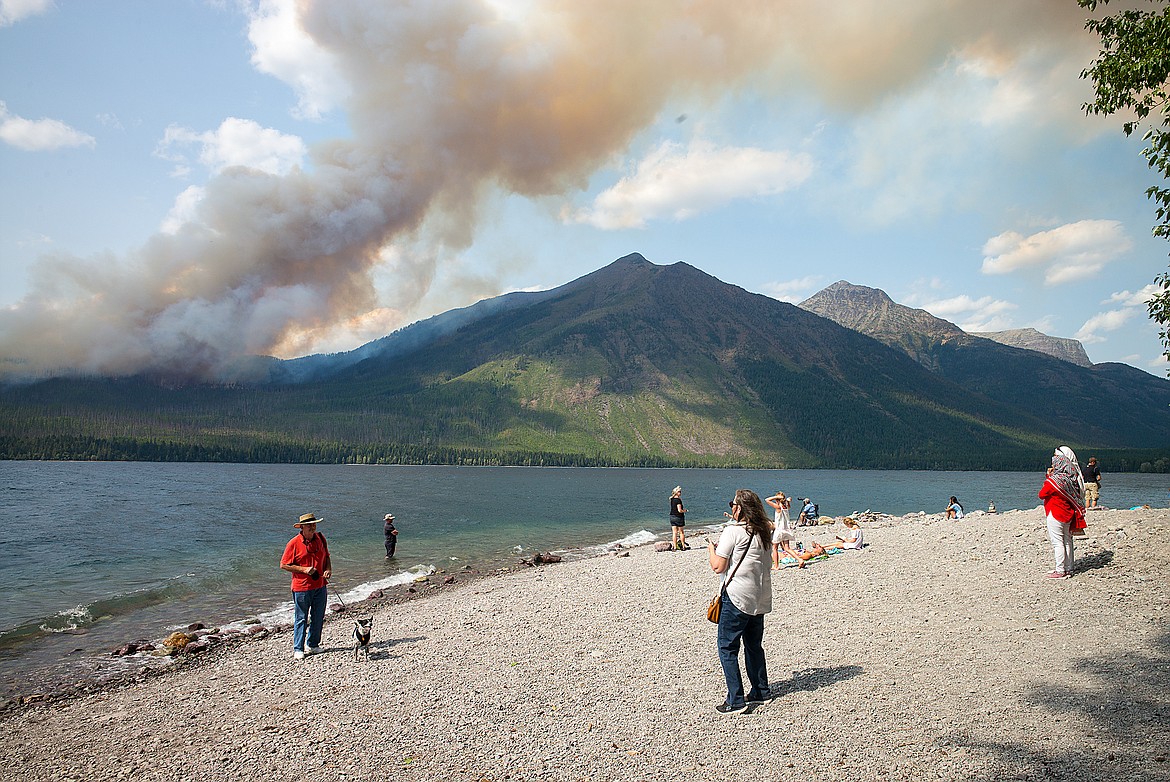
<point x="186" y="182"/>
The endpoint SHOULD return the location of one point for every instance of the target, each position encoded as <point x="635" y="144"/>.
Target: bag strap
<point x="731" y="575"/>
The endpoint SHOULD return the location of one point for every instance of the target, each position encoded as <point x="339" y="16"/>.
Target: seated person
<point x="854" y="539"/>
<point x="808" y="514"/>
<point x="954" y="510"/>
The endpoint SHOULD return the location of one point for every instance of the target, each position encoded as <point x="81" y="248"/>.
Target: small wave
<point x="68" y="620"/>
<point x="82" y="616"/>
<point x="639" y="538"/>
<point x="283" y="614"/>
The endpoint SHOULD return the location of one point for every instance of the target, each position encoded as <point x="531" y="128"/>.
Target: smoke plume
<point x="448" y="101"/>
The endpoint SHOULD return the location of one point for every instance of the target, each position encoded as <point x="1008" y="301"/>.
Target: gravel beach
<point x="939" y="652"/>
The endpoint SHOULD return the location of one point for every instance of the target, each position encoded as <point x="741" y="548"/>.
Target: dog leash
<point x="338" y="596"/>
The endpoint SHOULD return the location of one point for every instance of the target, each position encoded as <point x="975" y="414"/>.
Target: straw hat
<point x="307" y="518"/>
<point x="388" y="517"/>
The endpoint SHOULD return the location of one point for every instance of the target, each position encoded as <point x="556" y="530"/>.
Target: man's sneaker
<point x="312" y="649"/>
<point x="727" y="708"/>
<point x="298" y="654"/>
<point x="761" y="698"/>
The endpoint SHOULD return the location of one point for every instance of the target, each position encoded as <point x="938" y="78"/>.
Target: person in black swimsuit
<point x="678" y="516"/>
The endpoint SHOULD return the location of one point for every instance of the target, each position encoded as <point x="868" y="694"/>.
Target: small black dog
<point x="362" y="629"/>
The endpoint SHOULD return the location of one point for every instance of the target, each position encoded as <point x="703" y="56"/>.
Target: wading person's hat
<point x="388" y="517"/>
<point x="308" y="518"/>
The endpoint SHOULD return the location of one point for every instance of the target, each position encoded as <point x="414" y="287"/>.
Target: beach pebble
<point x="926" y="657"/>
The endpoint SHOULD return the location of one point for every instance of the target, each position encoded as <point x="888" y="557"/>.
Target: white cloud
<point x="1128" y="303"/>
<point x="39" y="135"/>
<point x="674" y="182"/>
<point x="35" y="240"/>
<point x="237" y="142"/>
<point x="970" y="314"/>
<point x="1139" y="299"/>
<point x="282" y="48"/>
<point x="793" y="291"/>
<point x="1104" y="321"/>
<point x="12" y="11"/>
<point x="1070" y="252"/>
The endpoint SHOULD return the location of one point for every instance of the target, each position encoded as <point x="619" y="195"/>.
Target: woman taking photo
<point x="743" y="557"/>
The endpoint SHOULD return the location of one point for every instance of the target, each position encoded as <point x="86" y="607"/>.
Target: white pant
<point x="1060" y="535"/>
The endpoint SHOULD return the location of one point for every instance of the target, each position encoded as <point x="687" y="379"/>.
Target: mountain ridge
<point x="632" y="364"/>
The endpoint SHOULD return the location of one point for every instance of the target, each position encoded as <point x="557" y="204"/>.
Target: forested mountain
<point x="633" y="364"/>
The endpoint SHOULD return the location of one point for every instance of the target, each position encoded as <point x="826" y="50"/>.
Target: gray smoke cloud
<point x="447" y="101"/>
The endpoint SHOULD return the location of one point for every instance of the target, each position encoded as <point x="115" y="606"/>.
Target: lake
<point x="101" y="553"/>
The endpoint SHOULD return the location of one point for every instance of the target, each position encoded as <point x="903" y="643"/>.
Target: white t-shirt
<point x="750" y="589"/>
<point x="854" y="538"/>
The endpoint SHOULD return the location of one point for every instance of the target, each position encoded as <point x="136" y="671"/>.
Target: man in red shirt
<point x="307" y="557"/>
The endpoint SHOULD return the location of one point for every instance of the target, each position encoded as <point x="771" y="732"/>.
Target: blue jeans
<point x="735" y="625"/>
<point x="309" y="606"/>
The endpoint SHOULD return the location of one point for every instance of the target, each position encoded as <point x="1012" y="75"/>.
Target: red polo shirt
<point x="313" y="554"/>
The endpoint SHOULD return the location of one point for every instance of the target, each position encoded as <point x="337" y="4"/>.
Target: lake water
<point x="100" y="553"/>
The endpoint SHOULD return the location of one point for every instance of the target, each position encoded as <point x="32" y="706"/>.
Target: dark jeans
<point x="735" y="625"/>
<point x="309" y="610"/>
<point x="391" y="542"/>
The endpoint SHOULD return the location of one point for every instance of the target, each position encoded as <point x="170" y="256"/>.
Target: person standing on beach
<point x="307" y="557"/>
<point x="782" y="529"/>
<point x="1092" y="476"/>
<point x="391" y="534"/>
<point x="743" y="557"/>
<point x="678" y="520"/>
<point x="1063" y="493"/>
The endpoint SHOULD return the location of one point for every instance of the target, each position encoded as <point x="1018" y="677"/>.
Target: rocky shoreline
<point x="939" y="651"/>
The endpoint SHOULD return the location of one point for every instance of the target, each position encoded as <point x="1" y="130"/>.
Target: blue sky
<point x="183" y="182"/>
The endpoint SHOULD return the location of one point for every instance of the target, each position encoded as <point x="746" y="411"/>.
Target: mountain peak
<point x="1069" y="350"/>
<point x="872" y="312"/>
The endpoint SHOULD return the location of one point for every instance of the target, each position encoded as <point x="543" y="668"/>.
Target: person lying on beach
<point x="802" y="556"/>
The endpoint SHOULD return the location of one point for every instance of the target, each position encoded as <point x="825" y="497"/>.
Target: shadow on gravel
<point x="395" y="641"/>
<point x="814" y="678"/>
<point x="1125" y="704"/>
<point x="1092" y="562"/>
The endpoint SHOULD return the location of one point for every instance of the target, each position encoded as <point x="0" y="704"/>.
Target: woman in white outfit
<point x="782" y="531"/>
